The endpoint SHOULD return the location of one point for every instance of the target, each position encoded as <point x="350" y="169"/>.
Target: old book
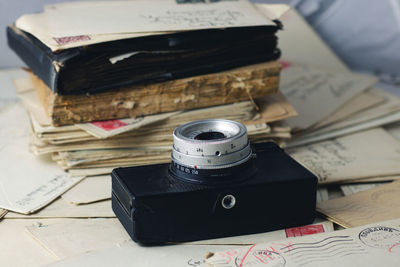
<point x="167" y="45"/>
<point x="189" y="93"/>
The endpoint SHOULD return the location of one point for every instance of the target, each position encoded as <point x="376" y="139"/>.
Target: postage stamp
<point x="304" y="230"/>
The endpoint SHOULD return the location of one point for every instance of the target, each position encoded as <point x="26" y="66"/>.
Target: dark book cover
<point x="149" y="59"/>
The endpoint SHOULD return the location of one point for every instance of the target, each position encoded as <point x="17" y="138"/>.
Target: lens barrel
<point x="211" y="144"/>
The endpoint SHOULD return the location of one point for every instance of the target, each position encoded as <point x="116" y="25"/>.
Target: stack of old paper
<point x="338" y="133"/>
<point x="334" y="103"/>
<point x="26" y="190"/>
<point x="98" y="147"/>
<point x="146" y="60"/>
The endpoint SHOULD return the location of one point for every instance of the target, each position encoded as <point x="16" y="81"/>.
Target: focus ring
<point x="211" y="144"/>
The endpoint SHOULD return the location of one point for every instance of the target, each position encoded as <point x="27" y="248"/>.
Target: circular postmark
<point x="261" y="257"/>
<point x="380" y="237"/>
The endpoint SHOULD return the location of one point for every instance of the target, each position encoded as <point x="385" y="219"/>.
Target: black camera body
<point x="159" y="204"/>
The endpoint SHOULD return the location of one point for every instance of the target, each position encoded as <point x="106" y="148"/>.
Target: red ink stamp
<point x="285" y="64"/>
<point x="229" y="255"/>
<point x="304" y="230"/>
<point x="71" y="39"/>
<point x="109" y="125"/>
<point x="259" y="257"/>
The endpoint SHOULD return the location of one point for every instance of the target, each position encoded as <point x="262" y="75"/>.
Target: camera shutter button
<point x="228" y="201"/>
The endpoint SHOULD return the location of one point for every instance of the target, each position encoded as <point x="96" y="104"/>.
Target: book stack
<point x="103" y="95"/>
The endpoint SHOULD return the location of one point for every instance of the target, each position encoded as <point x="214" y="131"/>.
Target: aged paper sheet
<point x="62" y="209"/>
<point x="140" y="16"/>
<point x="38" y="24"/>
<point x="316" y="93"/>
<point x="351" y="157"/>
<point x="24" y="189"/>
<point x="19" y="249"/>
<point x="89" y="190"/>
<point x="351" y="189"/>
<point x="71" y="237"/>
<point x="320" y="227"/>
<point x="370" y="206"/>
<point x="131" y="254"/>
<point x="381" y="114"/>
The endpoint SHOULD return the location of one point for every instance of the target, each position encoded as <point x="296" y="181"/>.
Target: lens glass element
<point x="209" y="136"/>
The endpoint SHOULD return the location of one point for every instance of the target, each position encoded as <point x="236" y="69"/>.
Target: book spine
<point x="183" y="94"/>
<point x="33" y="56"/>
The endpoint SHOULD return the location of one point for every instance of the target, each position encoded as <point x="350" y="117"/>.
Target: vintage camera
<point x="217" y="185"/>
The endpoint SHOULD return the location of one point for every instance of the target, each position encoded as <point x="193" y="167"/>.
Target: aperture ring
<point x="212" y="162"/>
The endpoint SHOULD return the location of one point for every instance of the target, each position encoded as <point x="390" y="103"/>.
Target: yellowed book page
<point x="370" y="206"/>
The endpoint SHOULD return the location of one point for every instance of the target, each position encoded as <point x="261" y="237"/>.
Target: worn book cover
<point x="189" y="93"/>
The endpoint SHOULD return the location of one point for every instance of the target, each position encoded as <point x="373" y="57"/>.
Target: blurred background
<point x="365" y="34"/>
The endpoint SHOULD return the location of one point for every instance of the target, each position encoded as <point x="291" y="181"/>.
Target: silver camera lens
<point x="211" y="144"/>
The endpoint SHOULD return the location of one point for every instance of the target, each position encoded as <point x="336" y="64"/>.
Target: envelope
<point x="376" y="244"/>
<point x="351" y="157"/>
<point x="138" y="19"/>
<point x="120" y="253"/>
<point x="369" y="206"/>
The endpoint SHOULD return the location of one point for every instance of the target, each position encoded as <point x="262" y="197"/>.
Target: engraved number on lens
<point x="228" y="201"/>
